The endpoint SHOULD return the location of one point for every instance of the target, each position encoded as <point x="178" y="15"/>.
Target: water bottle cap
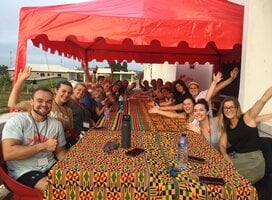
<point x="126" y="117"/>
<point x="183" y="134"/>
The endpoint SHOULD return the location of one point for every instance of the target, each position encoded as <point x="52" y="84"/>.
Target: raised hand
<point x="218" y="77"/>
<point x="25" y="74"/>
<point x="234" y="72"/>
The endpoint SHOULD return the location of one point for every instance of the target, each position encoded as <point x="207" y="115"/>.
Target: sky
<point x="9" y="26"/>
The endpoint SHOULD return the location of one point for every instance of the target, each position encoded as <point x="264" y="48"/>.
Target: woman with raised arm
<point x="181" y="90"/>
<point x="197" y="94"/>
<point x="188" y="114"/>
<point x="189" y="101"/>
<point x="241" y="132"/>
<point x="207" y="124"/>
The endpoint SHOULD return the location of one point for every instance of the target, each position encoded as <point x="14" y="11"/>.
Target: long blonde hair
<point x="223" y="121"/>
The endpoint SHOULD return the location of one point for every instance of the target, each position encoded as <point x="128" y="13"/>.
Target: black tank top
<point x="243" y="138"/>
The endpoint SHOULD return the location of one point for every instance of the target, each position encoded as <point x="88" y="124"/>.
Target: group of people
<point x="229" y="130"/>
<point x="51" y="122"/>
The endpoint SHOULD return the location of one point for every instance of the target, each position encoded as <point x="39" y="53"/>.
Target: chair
<point x="20" y="191"/>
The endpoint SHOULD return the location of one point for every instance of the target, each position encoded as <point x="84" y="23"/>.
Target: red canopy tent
<point x="142" y="30"/>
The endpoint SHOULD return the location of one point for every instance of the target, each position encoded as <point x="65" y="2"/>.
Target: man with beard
<point x="32" y="141"/>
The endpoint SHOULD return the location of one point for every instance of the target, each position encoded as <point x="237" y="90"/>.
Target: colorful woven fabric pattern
<point x="87" y="172"/>
<point x="134" y="108"/>
<point x="236" y="187"/>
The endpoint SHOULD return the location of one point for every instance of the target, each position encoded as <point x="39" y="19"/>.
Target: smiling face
<point x="97" y="92"/>
<point x="63" y="93"/>
<point x="79" y="91"/>
<point x="194" y="90"/>
<point x="107" y="86"/>
<point x="230" y="109"/>
<point x="41" y="102"/>
<point x="115" y="88"/>
<point x="201" y="111"/>
<point x="179" y="88"/>
<point x="188" y="106"/>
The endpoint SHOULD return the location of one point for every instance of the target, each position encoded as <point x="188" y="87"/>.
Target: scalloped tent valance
<point x="143" y="30"/>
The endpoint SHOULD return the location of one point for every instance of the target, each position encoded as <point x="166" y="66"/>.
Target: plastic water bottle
<point x="120" y="103"/>
<point x="182" y="157"/>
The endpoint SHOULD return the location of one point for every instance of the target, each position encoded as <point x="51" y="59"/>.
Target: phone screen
<point x="135" y="152"/>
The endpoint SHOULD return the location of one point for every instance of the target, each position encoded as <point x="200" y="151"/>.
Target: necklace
<point x="38" y="131"/>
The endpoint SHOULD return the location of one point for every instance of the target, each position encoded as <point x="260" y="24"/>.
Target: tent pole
<point x="86" y="72"/>
<point x="84" y="65"/>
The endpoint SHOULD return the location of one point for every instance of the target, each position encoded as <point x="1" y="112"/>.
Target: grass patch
<point x="4" y="101"/>
<point x="48" y="83"/>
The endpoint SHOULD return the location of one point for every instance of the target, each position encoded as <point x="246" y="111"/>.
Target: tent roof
<point x="143" y="30"/>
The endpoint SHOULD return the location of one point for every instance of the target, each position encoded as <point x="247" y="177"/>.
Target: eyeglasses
<point x="229" y="108"/>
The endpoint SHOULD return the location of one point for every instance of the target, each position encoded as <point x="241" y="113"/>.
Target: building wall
<point x="202" y="73"/>
<point x="256" y="69"/>
<point x="42" y="75"/>
<point x="165" y="71"/>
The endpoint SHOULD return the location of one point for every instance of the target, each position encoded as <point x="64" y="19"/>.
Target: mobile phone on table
<point x="196" y="159"/>
<point x="212" y="180"/>
<point x="135" y="152"/>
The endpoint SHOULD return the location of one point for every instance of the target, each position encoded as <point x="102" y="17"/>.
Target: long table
<point x="135" y="108"/>
<point x="89" y="173"/>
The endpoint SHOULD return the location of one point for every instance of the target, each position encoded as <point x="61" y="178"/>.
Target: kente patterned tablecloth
<point x="89" y="173"/>
<point x="135" y="108"/>
<point x="188" y="185"/>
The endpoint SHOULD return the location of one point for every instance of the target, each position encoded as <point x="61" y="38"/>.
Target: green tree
<point x="124" y="66"/>
<point x="116" y="66"/>
<point x="5" y="80"/>
<point x="80" y="77"/>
